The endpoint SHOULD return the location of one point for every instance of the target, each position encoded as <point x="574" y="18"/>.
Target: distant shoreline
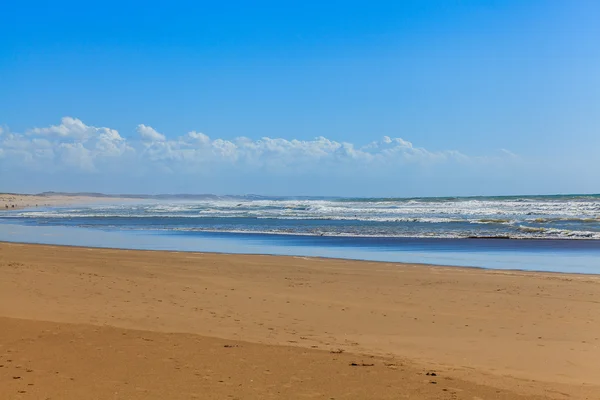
<point x="9" y="201"/>
<point x="212" y="196"/>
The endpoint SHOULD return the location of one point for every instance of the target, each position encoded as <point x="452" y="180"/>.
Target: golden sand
<point x="95" y="323"/>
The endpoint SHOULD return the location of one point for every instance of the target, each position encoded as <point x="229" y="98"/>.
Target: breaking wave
<point x="537" y="217"/>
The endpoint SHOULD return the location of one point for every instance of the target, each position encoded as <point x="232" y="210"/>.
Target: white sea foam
<point x="565" y="218"/>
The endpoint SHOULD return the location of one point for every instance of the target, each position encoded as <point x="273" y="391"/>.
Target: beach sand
<point x="105" y="324"/>
<point x="13" y="201"/>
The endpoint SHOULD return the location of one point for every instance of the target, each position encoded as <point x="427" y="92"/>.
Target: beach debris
<point x="431" y="374"/>
<point x="338" y="351"/>
<point x="353" y="364"/>
<point x="230" y="345"/>
<point x="16" y="377"/>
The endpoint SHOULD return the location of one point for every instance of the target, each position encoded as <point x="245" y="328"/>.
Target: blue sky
<point x="379" y="98"/>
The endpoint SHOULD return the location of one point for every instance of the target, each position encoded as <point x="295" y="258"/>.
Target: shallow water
<point x="574" y="256"/>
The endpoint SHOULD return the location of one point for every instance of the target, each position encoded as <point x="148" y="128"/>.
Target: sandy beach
<point x="13" y="201"/>
<point x="146" y="324"/>
<point x="300" y="200"/>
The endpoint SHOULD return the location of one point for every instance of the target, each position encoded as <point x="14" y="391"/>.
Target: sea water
<point x="559" y="233"/>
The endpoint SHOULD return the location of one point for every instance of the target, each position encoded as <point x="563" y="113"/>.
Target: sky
<point x="342" y="98"/>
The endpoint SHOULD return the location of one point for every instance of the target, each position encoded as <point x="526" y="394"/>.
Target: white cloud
<point x="76" y="147"/>
<point x="150" y="134"/>
<point x="198" y="137"/>
<point x="76" y="155"/>
<point x="71" y="146"/>
<point x="73" y="128"/>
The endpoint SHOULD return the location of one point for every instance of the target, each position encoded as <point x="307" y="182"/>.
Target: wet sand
<point x="147" y="324"/>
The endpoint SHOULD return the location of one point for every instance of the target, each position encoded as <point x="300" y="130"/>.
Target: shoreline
<point x="528" y="333"/>
<point x="545" y="256"/>
<point x="13" y="201"/>
<point x="318" y="258"/>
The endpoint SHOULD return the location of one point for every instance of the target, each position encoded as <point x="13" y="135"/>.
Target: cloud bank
<point x="72" y="147"/>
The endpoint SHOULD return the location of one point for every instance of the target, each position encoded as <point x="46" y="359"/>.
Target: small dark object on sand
<point x="361" y="365"/>
<point x="431" y="374"/>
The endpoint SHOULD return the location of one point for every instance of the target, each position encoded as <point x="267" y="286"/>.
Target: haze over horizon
<point x="159" y="195"/>
<point x="385" y="99"/>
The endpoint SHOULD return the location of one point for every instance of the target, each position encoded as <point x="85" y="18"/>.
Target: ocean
<point x="428" y="230"/>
